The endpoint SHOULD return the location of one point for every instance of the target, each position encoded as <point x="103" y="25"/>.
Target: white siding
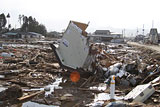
<point x="73" y="48"/>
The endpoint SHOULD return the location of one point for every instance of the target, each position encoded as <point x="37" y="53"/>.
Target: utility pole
<point x="124" y="33"/>
<point x="152" y="23"/>
<point x="137" y="31"/>
<point x="143" y="29"/>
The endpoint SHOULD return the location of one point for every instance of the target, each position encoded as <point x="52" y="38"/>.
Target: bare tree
<point x="20" y="19"/>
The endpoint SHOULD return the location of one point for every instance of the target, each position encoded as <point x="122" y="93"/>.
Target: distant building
<point x="34" y="35"/>
<point x="117" y="38"/>
<point x="11" y="35"/>
<point x="55" y="34"/>
<point x="153" y="36"/>
<point x="102" y="32"/>
<point x="22" y="35"/>
<point x="106" y="36"/>
<point x="139" y="38"/>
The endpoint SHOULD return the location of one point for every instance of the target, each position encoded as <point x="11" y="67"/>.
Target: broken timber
<point x="25" y="98"/>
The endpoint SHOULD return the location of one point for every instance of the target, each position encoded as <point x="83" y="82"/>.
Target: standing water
<point x="54" y="85"/>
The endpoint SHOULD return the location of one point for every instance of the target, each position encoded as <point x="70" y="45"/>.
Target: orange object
<point x="75" y="76"/>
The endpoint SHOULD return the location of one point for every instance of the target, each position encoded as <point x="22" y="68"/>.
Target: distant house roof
<point x="34" y="33"/>
<point x="10" y="33"/>
<point x="102" y="32"/>
<point x="106" y="36"/>
<point x="23" y="33"/>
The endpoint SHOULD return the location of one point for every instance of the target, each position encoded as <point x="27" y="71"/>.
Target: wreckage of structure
<point x="73" y="51"/>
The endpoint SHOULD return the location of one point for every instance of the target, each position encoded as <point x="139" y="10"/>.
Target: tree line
<point x="27" y="24"/>
<point x="3" y="22"/>
<point x="30" y="24"/>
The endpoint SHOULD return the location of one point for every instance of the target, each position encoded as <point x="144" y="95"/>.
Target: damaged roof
<point x="82" y="26"/>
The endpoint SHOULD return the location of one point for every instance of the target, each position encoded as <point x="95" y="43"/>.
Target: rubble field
<point x="34" y="74"/>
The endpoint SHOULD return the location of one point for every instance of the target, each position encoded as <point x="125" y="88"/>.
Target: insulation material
<point x="140" y="93"/>
<point x="73" y="50"/>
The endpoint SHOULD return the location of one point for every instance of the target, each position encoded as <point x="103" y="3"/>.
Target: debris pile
<point x="134" y="66"/>
<point x="78" y="71"/>
<point x="27" y="67"/>
<point x="13" y="92"/>
<point x="131" y="66"/>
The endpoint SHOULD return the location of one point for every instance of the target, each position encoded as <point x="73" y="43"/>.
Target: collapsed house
<point x="74" y="51"/>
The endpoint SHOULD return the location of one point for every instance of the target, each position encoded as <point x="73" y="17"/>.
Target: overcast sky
<point x="102" y="14"/>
